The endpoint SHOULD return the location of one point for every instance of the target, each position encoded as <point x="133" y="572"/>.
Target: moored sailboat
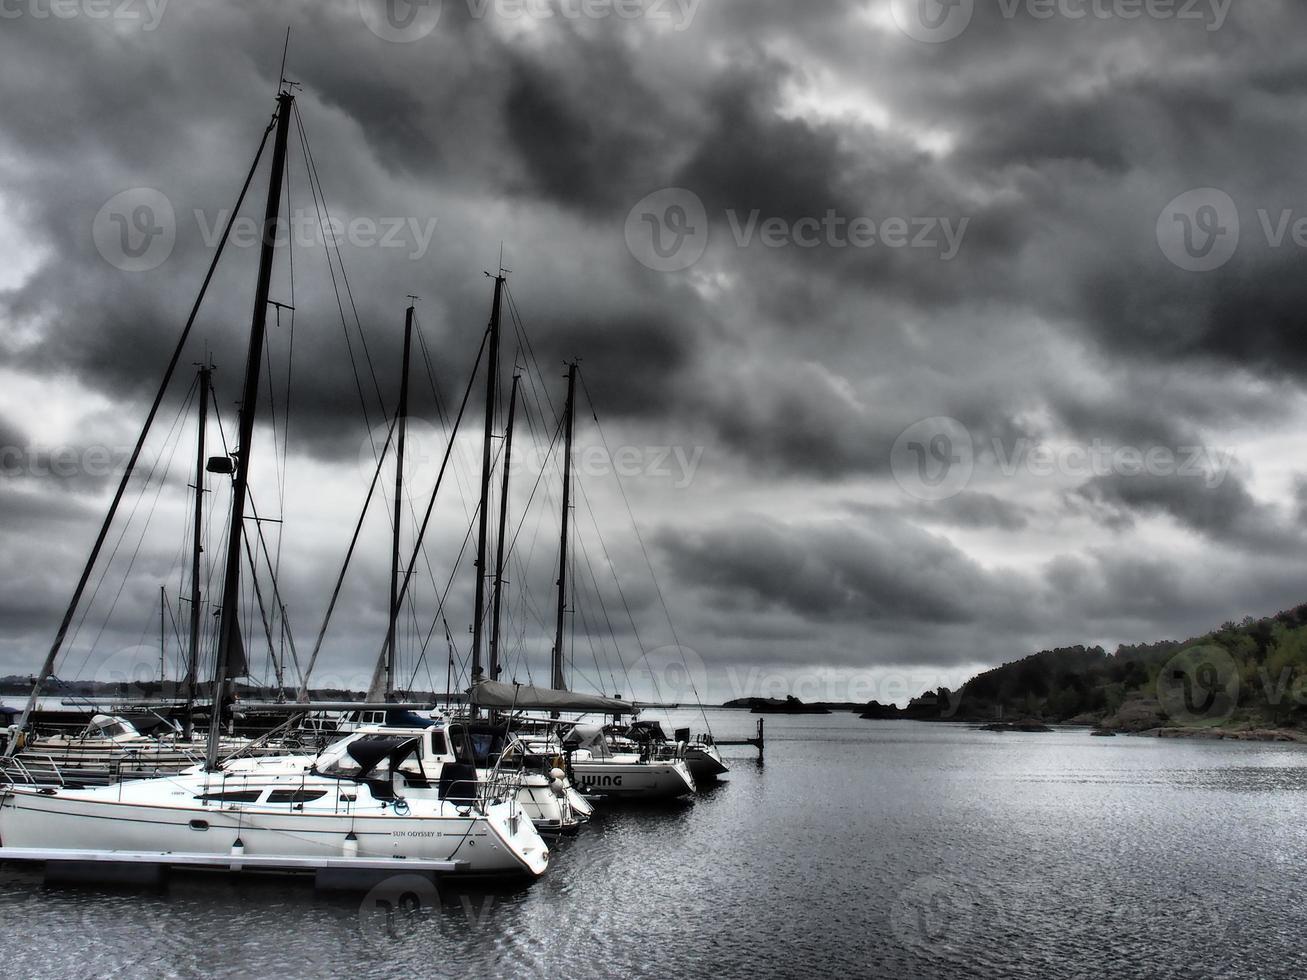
<point x="348" y="805"/>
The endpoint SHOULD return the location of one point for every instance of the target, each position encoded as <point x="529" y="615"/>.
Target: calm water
<point x="886" y="848"/>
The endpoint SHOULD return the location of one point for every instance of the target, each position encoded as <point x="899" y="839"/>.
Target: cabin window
<point x="438" y="745"/>
<point x="296" y="795"/>
<point x="232" y="796"/>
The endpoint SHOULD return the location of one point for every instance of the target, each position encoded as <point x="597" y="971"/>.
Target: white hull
<point x="705" y="763"/>
<point x="634" y="781"/>
<point x="551" y="813"/>
<point x="134" y="817"/>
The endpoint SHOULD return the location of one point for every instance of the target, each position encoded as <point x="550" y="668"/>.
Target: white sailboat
<point x="351" y="804"/>
<point x="366" y="799"/>
<point x="592" y="764"/>
<point x="597" y="766"/>
<point x="457" y="752"/>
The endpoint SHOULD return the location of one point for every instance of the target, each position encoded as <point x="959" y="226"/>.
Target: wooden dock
<point x="757" y="742"/>
<point x="151" y="867"/>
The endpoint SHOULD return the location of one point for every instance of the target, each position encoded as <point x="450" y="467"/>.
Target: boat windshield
<point x="479" y="745"/>
<point x="370" y="756"/>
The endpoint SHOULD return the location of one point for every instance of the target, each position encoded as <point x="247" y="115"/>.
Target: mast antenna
<point x="285" y="52"/>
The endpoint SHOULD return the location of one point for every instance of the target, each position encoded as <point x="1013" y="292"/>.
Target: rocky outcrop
<point x="1027" y="725"/>
<point x="1138" y="715"/>
<point x="1240" y="735"/>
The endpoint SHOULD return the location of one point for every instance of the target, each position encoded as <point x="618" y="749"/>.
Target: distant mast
<point x="401" y="425"/>
<point x="569" y="412"/>
<point x="163" y="647"/>
<point x="230" y="660"/>
<point x="495" y="617"/>
<point x="197" y="548"/>
<point x="492" y="382"/>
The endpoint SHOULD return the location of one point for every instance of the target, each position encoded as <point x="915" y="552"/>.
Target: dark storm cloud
<point x="842" y="570"/>
<point x="1226" y="511"/>
<point x="973" y="508"/>
<point x="795" y="369"/>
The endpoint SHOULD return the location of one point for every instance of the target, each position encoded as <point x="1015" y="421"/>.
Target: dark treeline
<point x="1259" y="667"/>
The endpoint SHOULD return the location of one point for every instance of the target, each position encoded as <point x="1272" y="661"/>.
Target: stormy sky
<point x="923" y="335"/>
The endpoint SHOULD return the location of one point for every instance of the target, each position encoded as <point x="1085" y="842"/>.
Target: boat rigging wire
<point x="47" y="668"/>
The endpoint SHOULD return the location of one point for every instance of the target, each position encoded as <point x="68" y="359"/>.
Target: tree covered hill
<point x="1247" y="674"/>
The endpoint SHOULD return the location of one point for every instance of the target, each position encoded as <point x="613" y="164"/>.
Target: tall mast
<point x="556" y="681"/>
<point x="197" y="548"/>
<point x="503" y="524"/>
<point x="401" y="424"/>
<point x="230" y="661"/>
<point x="492" y="383"/>
<point x="163" y="656"/>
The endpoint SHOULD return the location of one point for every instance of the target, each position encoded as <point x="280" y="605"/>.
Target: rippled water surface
<point x="858" y="848"/>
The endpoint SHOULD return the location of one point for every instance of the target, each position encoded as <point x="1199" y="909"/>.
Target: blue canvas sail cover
<point x="524" y="697"/>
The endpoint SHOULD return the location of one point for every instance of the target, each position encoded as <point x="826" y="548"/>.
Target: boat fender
<point x="351" y="846"/>
<point x="559" y="790"/>
<point x="238" y="848"/>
